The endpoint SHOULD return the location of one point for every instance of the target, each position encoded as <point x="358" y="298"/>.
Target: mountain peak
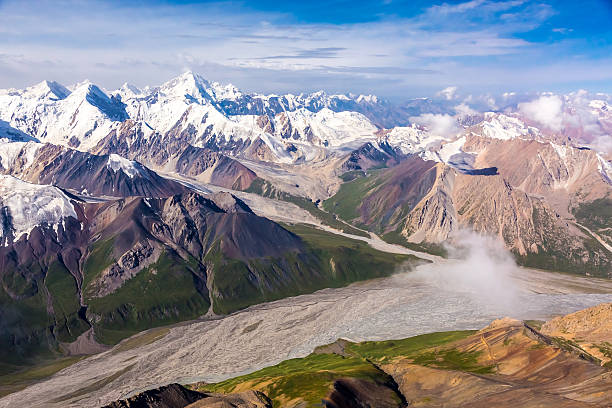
<point x="226" y="91"/>
<point x="188" y="84"/>
<point x="193" y="77"/>
<point x="111" y="106"/>
<point x="367" y="98"/>
<point x="128" y="88"/>
<point x="49" y="89"/>
<point x="84" y="84"/>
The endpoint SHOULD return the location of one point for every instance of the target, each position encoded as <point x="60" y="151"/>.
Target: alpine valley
<point x="192" y="202"/>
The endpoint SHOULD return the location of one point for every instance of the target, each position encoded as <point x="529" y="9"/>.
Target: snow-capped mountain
<point x="192" y="111"/>
<point x="52" y="113"/>
<point x="190" y="108"/>
<point x="82" y="172"/>
<point x="233" y="102"/>
<point x="206" y="114"/>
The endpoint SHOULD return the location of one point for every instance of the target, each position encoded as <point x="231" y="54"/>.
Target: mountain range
<point x="111" y="224"/>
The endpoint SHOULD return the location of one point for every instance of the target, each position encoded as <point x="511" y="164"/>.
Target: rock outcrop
<point x="177" y="396"/>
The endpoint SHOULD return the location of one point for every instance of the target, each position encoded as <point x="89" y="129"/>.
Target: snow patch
<point x="118" y="163"/>
<point x="605" y="168"/>
<point x="10" y="151"/>
<point x="26" y="206"/>
<point x="452" y="149"/>
<point x="499" y="126"/>
<point x="412" y="140"/>
<point x="560" y="149"/>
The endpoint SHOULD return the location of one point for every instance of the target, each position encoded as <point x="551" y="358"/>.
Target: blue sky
<point x="393" y="48"/>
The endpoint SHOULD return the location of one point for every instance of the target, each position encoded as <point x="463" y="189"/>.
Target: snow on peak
<point x="414" y="140"/>
<point x="129" y="91"/>
<point x="452" y="152"/>
<point x="26" y="206"/>
<point x="118" y="163"/>
<point x="500" y="126"/>
<point x="190" y="85"/>
<point x="49" y="90"/>
<point x="367" y="99"/>
<point x="605" y="168"/>
<point x="333" y="129"/>
<point x="226" y="92"/>
<point x="84" y="88"/>
<point x="111" y="107"/>
<point x="11" y="151"/>
<point x="84" y="84"/>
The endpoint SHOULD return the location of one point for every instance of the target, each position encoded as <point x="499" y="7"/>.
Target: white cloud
<point x="448" y="93"/>
<point x="438" y="124"/>
<point x="464" y="109"/>
<point x="581" y="116"/>
<point x="547" y="111"/>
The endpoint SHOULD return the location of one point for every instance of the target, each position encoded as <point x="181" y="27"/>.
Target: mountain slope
<point x="50" y="112"/>
<point x="123" y="266"/>
<point x="81" y="172"/>
<point x="426" y="203"/>
<point x="174" y="153"/>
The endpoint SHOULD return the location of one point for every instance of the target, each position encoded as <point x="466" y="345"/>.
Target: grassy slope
<point x="30" y="331"/>
<point x="265" y="189"/>
<point x="596" y="216"/>
<point x="345" y="204"/>
<point x="29" y="342"/>
<point x="394" y="237"/>
<point x="147" y="300"/>
<point x="341" y="209"/>
<point x="310" y="379"/>
<point x="63" y="290"/>
<point x="331" y="261"/>
<point x="347" y="200"/>
<point x="556" y="256"/>
<point x="100" y="257"/>
<point x="25" y="335"/>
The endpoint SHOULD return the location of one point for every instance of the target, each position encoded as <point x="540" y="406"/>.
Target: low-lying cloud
<point x="443" y="125"/>
<point x="581" y="116"/>
<point x="547" y="111"/>
<point x="480" y="266"/>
